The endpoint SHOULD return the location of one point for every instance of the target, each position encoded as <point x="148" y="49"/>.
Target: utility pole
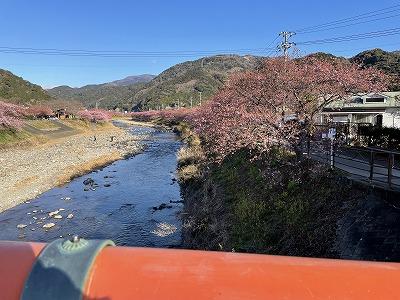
<point x="286" y="45"/>
<point x="200" y="97"/>
<point x="191" y="101"/>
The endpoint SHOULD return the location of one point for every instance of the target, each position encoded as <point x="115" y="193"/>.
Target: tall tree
<point x="277" y="104"/>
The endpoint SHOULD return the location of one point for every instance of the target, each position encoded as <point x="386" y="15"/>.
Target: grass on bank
<point x="276" y="205"/>
<point x="280" y="207"/>
<point x="42" y="124"/>
<point x="23" y="137"/>
<point x="8" y="136"/>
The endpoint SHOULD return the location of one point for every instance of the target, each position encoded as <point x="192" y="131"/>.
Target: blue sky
<point x="165" y="26"/>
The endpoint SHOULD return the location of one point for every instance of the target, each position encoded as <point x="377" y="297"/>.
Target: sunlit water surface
<point x="119" y="206"/>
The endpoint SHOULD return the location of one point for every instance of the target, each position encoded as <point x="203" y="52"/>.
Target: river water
<point x="120" y="205"/>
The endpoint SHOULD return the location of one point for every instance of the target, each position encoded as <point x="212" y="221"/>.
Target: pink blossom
<point x="11" y="115"/>
<point x="170" y="115"/>
<point x="39" y="111"/>
<point x="95" y="115"/>
<point x="277" y="105"/>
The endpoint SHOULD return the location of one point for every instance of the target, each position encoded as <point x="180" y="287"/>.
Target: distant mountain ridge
<point x="185" y="83"/>
<point x="131" y="80"/>
<point x="111" y="95"/>
<point x="17" y="90"/>
<point x="189" y="81"/>
<point x="388" y="62"/>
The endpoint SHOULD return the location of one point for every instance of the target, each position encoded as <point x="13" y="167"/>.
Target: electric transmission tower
<point x="286" y="44"/>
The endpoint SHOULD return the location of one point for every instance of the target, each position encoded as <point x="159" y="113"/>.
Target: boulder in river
<point x="20" y="226"/>
<point x="175" y="201"/>
<point x="162" y="206"/>
<point x="53" y="213"/>
<point x="48" y="225"/>
<point x="70" y="216"/>
<point x="57" y="217"/>
<point x="88" y="181"/>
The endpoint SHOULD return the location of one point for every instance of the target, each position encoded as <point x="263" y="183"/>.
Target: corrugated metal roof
<point x="392" y="100"/>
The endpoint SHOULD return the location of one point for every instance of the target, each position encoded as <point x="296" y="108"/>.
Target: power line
<point x="269" y="53"/>
<point x="353" y="37"/>
<point x="349" y="50"/>
<point x="350" y="19"/>
<point x="370" y="47"/>
<point x="124" y="54"/>
<point x="348" y="25"/>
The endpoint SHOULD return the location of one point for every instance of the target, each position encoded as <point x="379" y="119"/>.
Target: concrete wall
<point x="391" y="118"/>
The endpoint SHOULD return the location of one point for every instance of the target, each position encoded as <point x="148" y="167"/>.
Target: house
<point x="380" y="109"/>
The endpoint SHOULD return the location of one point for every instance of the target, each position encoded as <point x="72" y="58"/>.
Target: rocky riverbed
<point x="28" y="172"/>
<point x="134" y="201"/>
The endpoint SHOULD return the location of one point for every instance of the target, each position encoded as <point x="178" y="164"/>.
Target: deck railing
<point x="378" y="166"/>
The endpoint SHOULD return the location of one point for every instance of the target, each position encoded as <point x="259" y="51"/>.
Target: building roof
<point x="391" y="100"/>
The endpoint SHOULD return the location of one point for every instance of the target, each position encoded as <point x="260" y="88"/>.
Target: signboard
<point x="332" y="133"/>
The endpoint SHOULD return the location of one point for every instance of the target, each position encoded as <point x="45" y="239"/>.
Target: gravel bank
<point x="26" y="173"/>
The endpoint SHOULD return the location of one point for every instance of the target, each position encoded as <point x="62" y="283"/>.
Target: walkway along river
<point x="134" y="202"/>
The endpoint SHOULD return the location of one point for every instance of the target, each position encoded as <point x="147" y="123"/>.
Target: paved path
<point x="61" y="131"/>
<point x="356" y="164"/>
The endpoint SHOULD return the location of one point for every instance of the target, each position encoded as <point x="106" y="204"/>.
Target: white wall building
<point x="381" y="109"/>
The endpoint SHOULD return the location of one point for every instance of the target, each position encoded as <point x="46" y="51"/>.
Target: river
<point x="134" y="202"/>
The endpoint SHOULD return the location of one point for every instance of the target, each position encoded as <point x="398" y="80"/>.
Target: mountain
<point x="388" y="62"/>
<point x="187" y="81"/>
<point x="132" y="80"/>
<point x="107" y="95"/>
<point x="380" y="59"/>
<point x="16" y="89"/>
<point x="181" y="82"/>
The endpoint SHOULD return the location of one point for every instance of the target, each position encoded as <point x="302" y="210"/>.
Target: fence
<point x="377" y="166"/>
<point x="346" y="133"/>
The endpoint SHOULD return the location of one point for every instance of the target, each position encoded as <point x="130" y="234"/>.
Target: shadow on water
<point x="116" y="202"/>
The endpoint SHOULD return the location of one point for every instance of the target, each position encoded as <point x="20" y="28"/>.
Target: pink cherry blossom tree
<point x="95" y="115"/>
<point x="39" y="111"/>
<point x="11" y="116"/>
<point x="277" y="105"/>
<point x="169" y="115"/>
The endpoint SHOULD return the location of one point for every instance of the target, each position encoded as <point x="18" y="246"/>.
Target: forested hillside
<point x="17" y="90"/>
<point x="191" y="80"/>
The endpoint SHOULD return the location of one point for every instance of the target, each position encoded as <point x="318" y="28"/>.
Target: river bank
<point x="28" y="171"/>
<point x="133" y="201"/>
<point x="283" y="206"/>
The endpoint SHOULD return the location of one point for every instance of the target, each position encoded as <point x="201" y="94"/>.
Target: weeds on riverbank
<point x="265" y="206"/>
<point x="12" y="137"/>
<point x="276" y="204"/>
